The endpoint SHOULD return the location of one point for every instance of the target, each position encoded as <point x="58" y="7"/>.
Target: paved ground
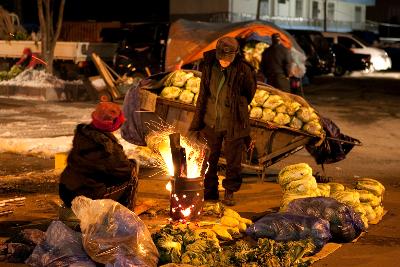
<point x="364" y="107"/>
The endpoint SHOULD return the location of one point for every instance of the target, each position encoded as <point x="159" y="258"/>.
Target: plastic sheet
<point x="345" y="223"/>
<point x="114" y="235"/>
<point x="284" y="226"/>
<point x="61" y="248"/>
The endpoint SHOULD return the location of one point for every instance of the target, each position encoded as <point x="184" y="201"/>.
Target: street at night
<point x="200" y="133"/>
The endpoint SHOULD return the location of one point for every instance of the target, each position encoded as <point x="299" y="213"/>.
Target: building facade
<point x="341" y="15"/>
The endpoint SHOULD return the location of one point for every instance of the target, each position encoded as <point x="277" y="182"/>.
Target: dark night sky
<point x="100" y="10"/>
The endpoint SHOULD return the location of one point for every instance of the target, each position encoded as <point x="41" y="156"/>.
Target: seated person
<point x="97" y="166"/>
<point x="30" y="60"/>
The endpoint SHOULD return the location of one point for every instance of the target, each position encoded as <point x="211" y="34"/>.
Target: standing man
<point x="275" y="64"/>
<point x="228" y="85"/>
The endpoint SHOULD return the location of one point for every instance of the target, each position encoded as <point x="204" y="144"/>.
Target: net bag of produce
<point x="112" y="233"/>
<point x="345" y="223"/>
<point x="62" y="247"/>
<point x="285" y="226"/>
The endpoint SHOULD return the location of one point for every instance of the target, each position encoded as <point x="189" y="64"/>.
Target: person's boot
<point x="228" y="198"/>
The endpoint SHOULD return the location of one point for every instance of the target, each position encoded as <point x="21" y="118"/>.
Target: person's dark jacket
<point x="243" y="84"/>
<point x="96" y="161"/>
<point x="276" y="60"/>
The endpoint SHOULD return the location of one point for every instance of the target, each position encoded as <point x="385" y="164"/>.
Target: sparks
<point x="186" y="212"/>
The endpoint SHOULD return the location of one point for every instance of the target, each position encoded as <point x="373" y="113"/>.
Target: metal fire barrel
<point x="187" y="198"/>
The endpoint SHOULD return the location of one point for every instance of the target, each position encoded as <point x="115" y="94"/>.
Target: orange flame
<point x="168" y="186"/>
<point x="159" y="142"/>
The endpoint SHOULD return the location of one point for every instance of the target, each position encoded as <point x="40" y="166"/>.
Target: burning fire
<point x="168" y="186"/>
<point x="159" y="143"/>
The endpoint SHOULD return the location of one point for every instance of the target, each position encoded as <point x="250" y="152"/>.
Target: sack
<point x="61" y="248"/>
<point x="113" y="234"/>
<point x="345" y="223"/>
<point x="285" y="226"/>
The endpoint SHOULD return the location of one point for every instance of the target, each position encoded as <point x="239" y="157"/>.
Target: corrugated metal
<point x="84" y="31"/>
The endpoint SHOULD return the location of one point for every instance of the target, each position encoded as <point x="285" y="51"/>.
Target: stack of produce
<point x="284" y="111"/>
<point x="253" y="53"/>
<point x="371" y="195"/>
<point x="231" y="225"/>
<point x="296" y="182"/>
<point x="181" y="86"/>
<point x="13" y="72"/>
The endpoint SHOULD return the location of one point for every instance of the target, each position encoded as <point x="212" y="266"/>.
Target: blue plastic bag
<point x="345" y="224"/>
<point x="284" y="226"/>
<point x="61" y="248"/>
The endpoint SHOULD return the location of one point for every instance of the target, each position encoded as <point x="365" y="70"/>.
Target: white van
<point x="379" y="58"/>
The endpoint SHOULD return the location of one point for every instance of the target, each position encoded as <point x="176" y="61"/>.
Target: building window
<point x="299" y="8"/>
<point x="330" y="12"/>
<point x="315" y="10"/>
<point x="358" y="14"/>
<point x="264" y="7"/>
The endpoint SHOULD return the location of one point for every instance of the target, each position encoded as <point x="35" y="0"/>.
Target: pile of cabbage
<point x="273" y="108"/>
<point x="181" y="86"/>
<point x="13" y="72"/>
<point x="253" y="53"/>
<point x="366" y="198"/>
<point x="296" y="182"/>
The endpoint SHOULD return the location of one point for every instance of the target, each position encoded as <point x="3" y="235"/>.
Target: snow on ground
<point x="38" y="78"/>
<point x="44" y="129"/>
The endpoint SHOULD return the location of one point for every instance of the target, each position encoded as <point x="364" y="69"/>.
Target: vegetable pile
<point x="273" y="108"/>
<point x="253" y="53"/>
<point x="366" y="198"/>
<point x="13" y="72"/>
<point x="181" y="86"/>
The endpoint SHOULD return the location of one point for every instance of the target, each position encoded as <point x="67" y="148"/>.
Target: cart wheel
<point x="105" y="96"/>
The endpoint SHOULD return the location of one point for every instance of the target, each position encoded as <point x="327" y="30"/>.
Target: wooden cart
<point x="271" y="143"/>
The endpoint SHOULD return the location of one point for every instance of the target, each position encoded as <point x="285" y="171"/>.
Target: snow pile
<point x="38" y="78"/>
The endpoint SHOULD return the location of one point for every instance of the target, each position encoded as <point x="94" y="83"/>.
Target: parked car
<point x="379" y="58"/>
<point x="348" y="61"/>
<point x="320" y="58"/>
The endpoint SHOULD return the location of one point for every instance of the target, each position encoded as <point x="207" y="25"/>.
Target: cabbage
<point x="379" y="212"/>
<point x="195" y="99"/>
<point x="349" y="197"/>
<point x="282" y="119"/>
<point x="273" y="101"/>
<point x="186" y="96"/>
<point x="369" y="211"/>
<point x="260" y="97"/>
<point x="324" y="190"/>
<point x="313" y="127"/>
<point x="171" y="92"/>
<point x="193" y="84"/>
<point x="293" y="172"/>
<point x="295" y="123"/>
<point x="306" y="114"/>
<point x="302" y="186"/>
<point x="292" y="107"/>
<point x="268" y="114"/>
<point x="368" y="197"/>
<point x="256" y="112"/>
<point x="335" y="187"/>
<point x="281" y="109"/>
<point x="178" y="78"/>
<point x="371" y="185"/>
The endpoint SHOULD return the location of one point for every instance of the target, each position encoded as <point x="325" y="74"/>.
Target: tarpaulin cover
<point x="188" y="40"/>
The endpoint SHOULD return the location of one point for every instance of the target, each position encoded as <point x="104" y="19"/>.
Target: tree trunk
<point x="48" y="35"/>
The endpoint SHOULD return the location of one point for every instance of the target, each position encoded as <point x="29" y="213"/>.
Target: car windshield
<point x="320" y="43"/>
